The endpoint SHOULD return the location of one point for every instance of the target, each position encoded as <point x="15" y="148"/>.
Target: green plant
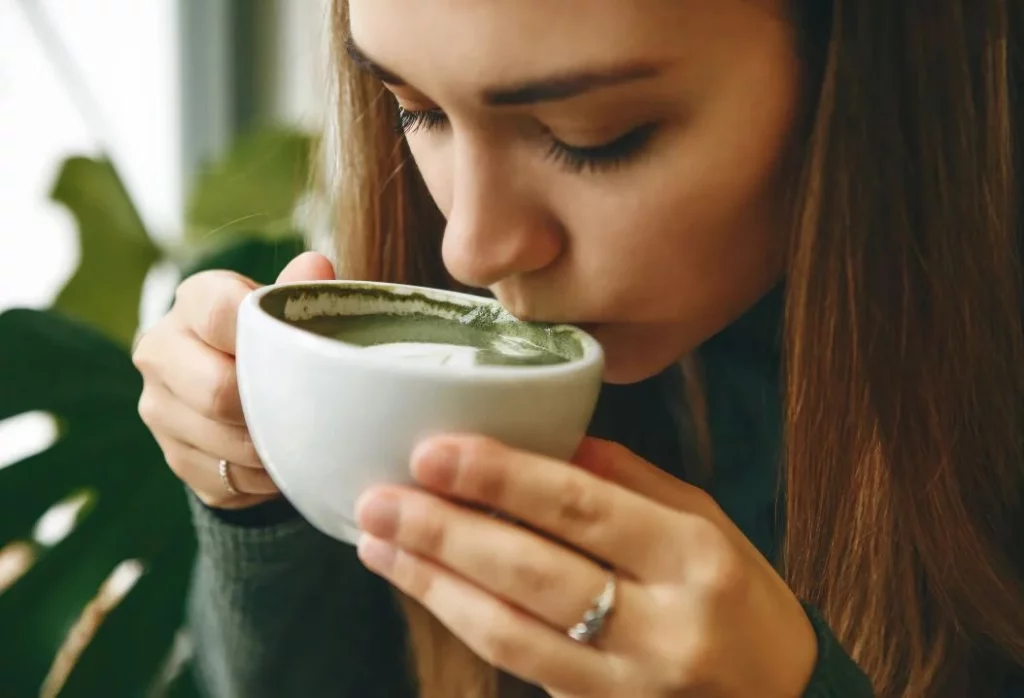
<point x="72" y="361"/>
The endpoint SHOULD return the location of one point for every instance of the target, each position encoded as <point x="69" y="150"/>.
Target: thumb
<point x="308" y="266"/>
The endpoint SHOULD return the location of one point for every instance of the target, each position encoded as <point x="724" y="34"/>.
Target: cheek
<point x="688" y="246"/>
<point x="694" y="234"/>
<point x="634" y="352"/>
<point x="673" y="276"/>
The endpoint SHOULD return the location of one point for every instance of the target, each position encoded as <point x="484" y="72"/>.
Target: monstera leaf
<point x="116" y="252"/>
<point x="137" y="511"/>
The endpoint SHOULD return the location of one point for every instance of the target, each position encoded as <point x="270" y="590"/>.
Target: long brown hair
<point x="905" y="383"/>
<point x="904" y="437"/>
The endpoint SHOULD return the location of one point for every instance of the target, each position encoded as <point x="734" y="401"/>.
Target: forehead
<point x="488" y="41"/>
<point x="467" y="44"/>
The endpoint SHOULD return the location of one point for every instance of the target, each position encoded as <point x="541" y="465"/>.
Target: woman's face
<point x="607" y="163"/>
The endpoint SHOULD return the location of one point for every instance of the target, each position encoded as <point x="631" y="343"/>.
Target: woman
<point x="794" y="227"/>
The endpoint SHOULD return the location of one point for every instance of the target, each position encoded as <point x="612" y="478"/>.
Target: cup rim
<point x="593" y="353"/>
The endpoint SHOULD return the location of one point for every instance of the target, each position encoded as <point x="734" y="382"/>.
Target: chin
<point x="631" y="358"/>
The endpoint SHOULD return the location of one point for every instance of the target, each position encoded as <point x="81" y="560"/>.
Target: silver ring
<point x="225" y="478"/>
<point x="593" y="620"/>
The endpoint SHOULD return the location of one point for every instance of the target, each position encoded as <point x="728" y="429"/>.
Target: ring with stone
<point x="594" y="619"/>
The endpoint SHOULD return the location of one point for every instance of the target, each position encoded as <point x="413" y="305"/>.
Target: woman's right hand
<point x="190" y="396"/>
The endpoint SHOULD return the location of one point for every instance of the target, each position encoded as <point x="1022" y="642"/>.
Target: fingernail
<point x="378" y="514"/>
<point x="376" y="554"/>
<point x="436" y="465"/>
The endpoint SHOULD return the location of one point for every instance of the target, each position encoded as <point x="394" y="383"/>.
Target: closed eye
<point x="604" y="156"/>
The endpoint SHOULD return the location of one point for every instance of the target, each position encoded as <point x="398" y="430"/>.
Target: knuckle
<point x="148" y="408"/>
<point x="579" y="507"/>
<point x="224" y="399"/>
<point x="728" y="579"/>
<point x="530" y="578"/>
<point x="153" y="348"/>
<point x="417" y="578"/>
<point x="209" y="301"/>
<point x="183" y="291"/>
<point x="191" y="290"/>
<point x="425" y="527"/>
<point x="480" y="450"/>
<point x="219" y="316"/>
<point x="143" y="356"/>
<point x="479" y="481"/>
<point x="721" y="575"/>
<point x="140" y="355"/>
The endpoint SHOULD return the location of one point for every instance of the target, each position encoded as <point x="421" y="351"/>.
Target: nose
<point x="498" y="225"/>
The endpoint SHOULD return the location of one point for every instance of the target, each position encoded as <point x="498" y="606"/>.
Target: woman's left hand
<point x="698" y="610"/>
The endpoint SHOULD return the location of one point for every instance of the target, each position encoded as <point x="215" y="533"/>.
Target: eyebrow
<point x="368" y="65"/>
<point x="550" y="89"/>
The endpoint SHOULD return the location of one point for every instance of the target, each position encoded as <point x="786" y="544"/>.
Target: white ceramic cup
<point x="330" y="419"/>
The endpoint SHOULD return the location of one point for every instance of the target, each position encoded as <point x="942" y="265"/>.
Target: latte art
<point x="435" y="341"/>
<point x="426" y="353"/>
<point x="510" y="349"/>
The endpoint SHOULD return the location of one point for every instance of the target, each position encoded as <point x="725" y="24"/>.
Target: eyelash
<point x="410" y="121"/>
<point x="573" y="158"/>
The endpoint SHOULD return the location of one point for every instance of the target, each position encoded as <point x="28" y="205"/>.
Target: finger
<point x="501" y="635"/>
<point x="620" y="527"/>
<point x="533" y="573"/>
<point x="196" y="374"/>
<point x="200" y="471"/>
<point x="615" y="463"/>
<point x="247" y="481"/>
<point x="164" y="413"/>
<point x="308" y="266"/>
<point x="209" y="302"/>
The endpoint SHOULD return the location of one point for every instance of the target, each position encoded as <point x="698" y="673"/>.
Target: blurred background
<point x="140" y="141"/>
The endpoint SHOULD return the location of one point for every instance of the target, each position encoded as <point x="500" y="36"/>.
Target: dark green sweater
<point x="278" y="609"/>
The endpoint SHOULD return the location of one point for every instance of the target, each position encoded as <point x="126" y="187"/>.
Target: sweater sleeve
<point x="283" y="610"/>
<point x="835" y="675"/>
